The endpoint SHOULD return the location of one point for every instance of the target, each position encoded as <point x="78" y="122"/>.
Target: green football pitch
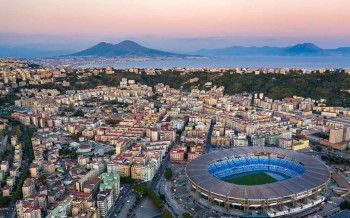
<point x="253" y="179"/>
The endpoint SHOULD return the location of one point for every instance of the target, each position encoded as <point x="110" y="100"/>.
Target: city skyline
<point x="174" y="25"/>
<point x="174" y="108"/>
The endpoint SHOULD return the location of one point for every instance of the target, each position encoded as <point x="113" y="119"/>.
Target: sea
<point x="304" y="62"/>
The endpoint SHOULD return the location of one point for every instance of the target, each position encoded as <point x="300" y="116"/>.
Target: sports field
<point x="259" y="178"/>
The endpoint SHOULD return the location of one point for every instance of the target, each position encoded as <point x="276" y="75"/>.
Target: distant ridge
<point x="125" y="48"/>
<point x="304" y="49"/>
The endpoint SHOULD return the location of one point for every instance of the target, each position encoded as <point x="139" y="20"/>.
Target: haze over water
<point x="245" y="62"/>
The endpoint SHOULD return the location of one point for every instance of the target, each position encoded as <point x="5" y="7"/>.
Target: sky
<point x="174" y="25"/>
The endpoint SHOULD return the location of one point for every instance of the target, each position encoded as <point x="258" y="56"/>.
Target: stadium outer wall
<point x="276" y="206"/>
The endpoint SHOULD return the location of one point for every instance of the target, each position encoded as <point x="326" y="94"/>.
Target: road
<point x="159" y="175"/>
<point x="121" y="199"/>
<point x="208" y="141"/>
<point x="153" y="185"/>
<point x="169" y="196"/>
<point x="11" y="212"/>
<point x="160" y="172"/>
<point x="4" y="142"/>
<point x="3" y="145"/>
<point x="128" y="205"/>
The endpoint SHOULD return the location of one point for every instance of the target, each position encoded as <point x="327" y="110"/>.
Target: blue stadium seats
<point x="236" y="166"/>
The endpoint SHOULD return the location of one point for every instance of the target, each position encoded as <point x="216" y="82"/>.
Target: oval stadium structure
<point x="258" y="181"/>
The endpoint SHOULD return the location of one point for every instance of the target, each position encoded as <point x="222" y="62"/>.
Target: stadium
<point x="258" y="181"/>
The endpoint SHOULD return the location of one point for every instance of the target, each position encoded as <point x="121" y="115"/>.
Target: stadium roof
<point x="316" y="174"/>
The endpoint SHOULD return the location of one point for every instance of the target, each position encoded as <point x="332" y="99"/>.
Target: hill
<point x="125" y="48"/>
<point x="305" y="49"/>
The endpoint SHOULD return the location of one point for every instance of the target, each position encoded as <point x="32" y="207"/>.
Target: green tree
<point x="168" y="173"/>
<point x="318" y="148"/>
<point x="42" y="178"/>
<point x="186" y="215"/>
<point x="112" y="122"/>
<point x="168" y="119"/>
<point x="142" y="189"/>
<point x="18" y="192"/>
<point x="78" y="113"/>
<point x="125" y="179"/>
<point x="70" y="108"/>
<point x="111" y="152"/>
<point x="167" y="214"/>
<point x="345" y="205"/>
<point x="16" y="131"/>
<point x="4" y="201"/>
<point x="8" y="99"/>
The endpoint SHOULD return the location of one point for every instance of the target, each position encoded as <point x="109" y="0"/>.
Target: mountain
<point x="305" y="49"/>
<point x="125" y="48"/>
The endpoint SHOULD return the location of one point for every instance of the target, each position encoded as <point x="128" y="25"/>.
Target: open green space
<point x="253" y="179"/>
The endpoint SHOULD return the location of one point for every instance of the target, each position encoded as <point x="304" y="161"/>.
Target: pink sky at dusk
<point x="302" y="19"/>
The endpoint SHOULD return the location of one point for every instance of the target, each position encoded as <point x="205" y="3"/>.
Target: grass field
<point x="253" y="179"/>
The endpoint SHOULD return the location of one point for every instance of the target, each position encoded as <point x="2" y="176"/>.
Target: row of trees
<point x="168" y="214"/>
<point x="8" y="99"/>
<point x="335" y="159"/>
<point x="142" y="189"/>
<point x="18" y="192"/>
<point x="30" y="133"/>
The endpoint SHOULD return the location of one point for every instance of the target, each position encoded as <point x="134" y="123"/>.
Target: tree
<point x="168" y="173"/>
<point x="111" y="122"/>
<point x="345" y="205"/>
<point x="167" y="214"/>
<point x="158" y="202"/>
<point x="70" y="108"/>
<point x="318" y="148"/>
<point x="78" y="113"/>
<point x="168" y="119"/>
<point x="16" y="131"/>
<point x="162" y="196"/>
<point x="111" y="152"/>
<point x="4" y="201"/>
<point x="70" y="153"/>
<point x="42" y="178"/>
<point x="125" y="179"/>
<point x="142" y="189"/>
<point x="186" y="215"/>
<point x="8" y="99"/>
<point x="114" y="110"/>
